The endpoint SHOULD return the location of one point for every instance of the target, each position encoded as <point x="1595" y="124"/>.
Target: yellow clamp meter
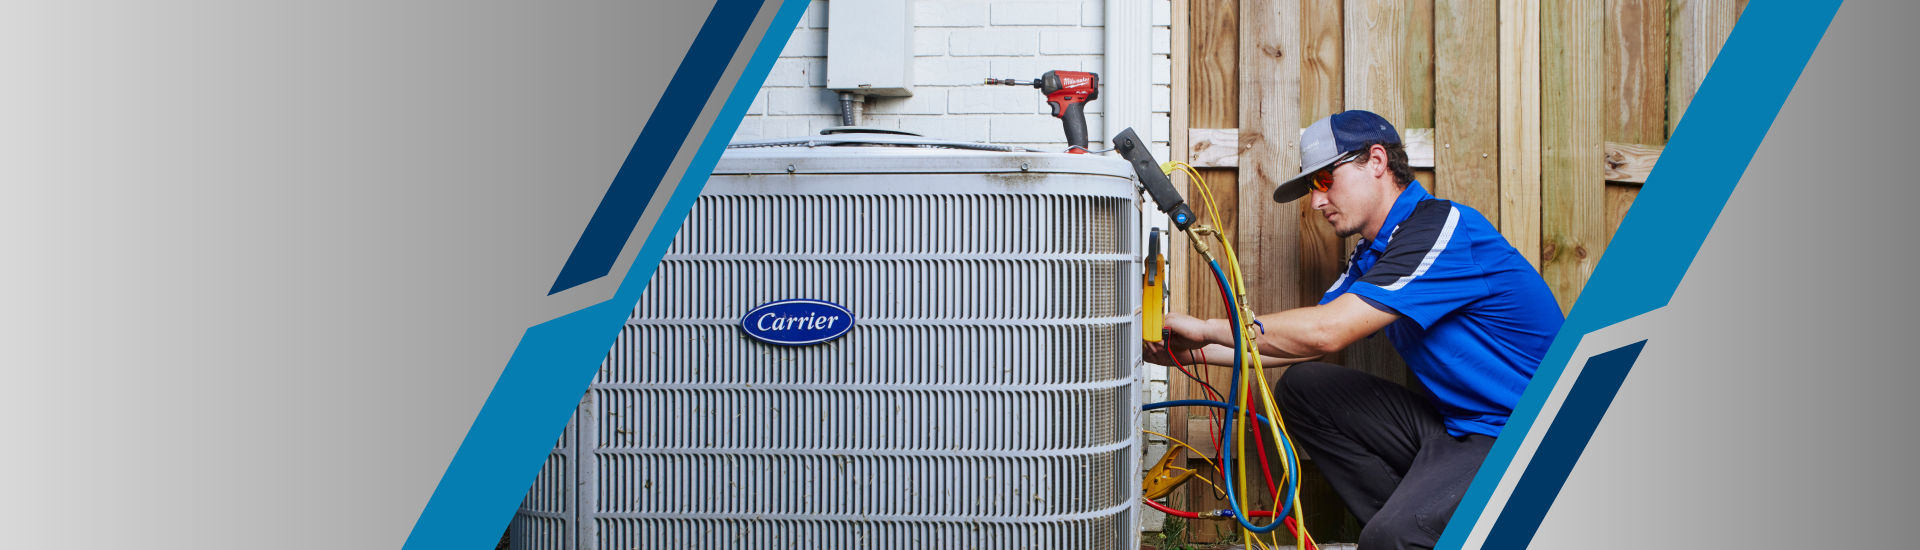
<point x="1153" y="304"/>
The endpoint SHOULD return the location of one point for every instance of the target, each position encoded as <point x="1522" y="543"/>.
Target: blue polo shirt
<point x="1475" y="317"/>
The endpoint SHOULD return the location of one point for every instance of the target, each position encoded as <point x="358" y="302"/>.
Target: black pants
<point x="1384" y="450"/>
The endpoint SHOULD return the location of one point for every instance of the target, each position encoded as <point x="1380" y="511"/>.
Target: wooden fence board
<point x="1466" y="109"/>
<point x="1618" y="199"/>
<point x="1322" y="66"/>
<point x="1376" y="38"/>
<point x="1417" y="73"/>
<point x="1573" y="192"/>
<point x="1375" y="46"/>
<point x="1636" y="57"/>
<point x="1520" y="126"/>
<point x="1213" y="147"/>
<point x="1177" y="284"/>
<point x="1213" y="80"/>
<point x="1212" y="102"/>
<point x="1419" y="145"/>
<point x="1269" y="240"/>
<point x="1322" y="78"/>
<point x="1631" y="162"/>
<point x="1636" y="99"/>
<point x="1622" y="162"/>
<point x="1698" y="29"/>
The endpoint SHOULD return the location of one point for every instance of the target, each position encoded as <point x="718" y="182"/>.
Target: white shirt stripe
<point x="1440" y="244"/>
<point x="1337" y="282"/>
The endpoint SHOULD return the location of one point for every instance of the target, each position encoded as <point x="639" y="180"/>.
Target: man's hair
<point x="1396" y="161"/>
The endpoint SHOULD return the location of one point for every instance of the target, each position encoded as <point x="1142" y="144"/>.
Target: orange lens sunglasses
<point x="1323" y="178"/>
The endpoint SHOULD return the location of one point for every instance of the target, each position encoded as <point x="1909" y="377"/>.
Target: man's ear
<point x="1377" y="161"/>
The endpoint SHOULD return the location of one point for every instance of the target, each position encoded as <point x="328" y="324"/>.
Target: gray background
<point x="1773" y="405"/>
<point x="265" y="261"/>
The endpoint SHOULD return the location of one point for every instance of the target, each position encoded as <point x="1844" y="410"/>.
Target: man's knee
<point x="1302" y="381"/>
<point x="1390" y="531"/>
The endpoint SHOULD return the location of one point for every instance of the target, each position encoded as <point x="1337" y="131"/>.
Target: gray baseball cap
<point x="1330" y="138"/>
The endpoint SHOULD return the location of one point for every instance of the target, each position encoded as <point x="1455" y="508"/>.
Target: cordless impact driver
<point x="1067" y="93"/>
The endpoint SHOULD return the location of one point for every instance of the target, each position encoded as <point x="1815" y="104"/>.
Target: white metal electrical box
<point x="870" y="47"/>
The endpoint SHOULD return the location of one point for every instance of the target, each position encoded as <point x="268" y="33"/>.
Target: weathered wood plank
<point x="1573" y="195"/>
<point x="1322" y="65"/>
<point x="1698" y="29"/>
<point x="1321" y="94"/>
<point x="1620" y="162"/>
<point x="1213" y="66"/>
<point x="1269" y="241"/>
<point x="1520" y="126"/>
<point x="1214" y="147"/>
<point x="1619" y="199"/>
<point x="1418" y="72"/>
<point x="1376" y="38"/>
<point x="1466" y="110"/>
<point x="1178" y="274"/>
<point x="1419" y="145"/>
<point x="1213" y="80"/>
<point x="1630" y="162"/>
<point x="1636" y="61"/>
<point x="1636" y="108"/>
<point x="1213" y="102"/>
<point x="1221" y="148"/>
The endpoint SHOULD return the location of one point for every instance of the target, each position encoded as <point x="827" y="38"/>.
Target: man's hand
<point x="1201" y="342"/>
<point x="1184" y="335"/>
<point x="1189" y="333"/>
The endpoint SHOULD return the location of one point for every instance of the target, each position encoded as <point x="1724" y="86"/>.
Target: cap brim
<point x="1296" y="187"/>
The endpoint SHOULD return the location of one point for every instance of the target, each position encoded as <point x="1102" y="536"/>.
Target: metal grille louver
<point x="984" y="399"/>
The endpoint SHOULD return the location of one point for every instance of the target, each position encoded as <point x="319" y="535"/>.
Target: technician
<point x="1465" y="310"/>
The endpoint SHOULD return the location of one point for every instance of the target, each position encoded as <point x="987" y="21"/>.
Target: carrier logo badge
<point x="797" y="322"/>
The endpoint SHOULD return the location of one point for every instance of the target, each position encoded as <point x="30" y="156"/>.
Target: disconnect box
<point x="870" y="47"/>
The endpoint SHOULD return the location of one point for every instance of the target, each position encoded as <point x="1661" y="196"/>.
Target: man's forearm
<point x="1303" y="333"/>
<point x="1222" y="355"/>
<point x="1295" y="334"/>
<point x="1217" y="354"/>
<point x="1280" y="336"/>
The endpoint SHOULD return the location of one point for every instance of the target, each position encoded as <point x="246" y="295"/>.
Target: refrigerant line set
<point x="1248" y="389"/>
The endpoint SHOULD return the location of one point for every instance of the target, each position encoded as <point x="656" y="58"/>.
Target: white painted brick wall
<point x="950" y="14"/>
<point x="806" y="43"/>
<point x="1045" y="14"/>
<point x="1073" y="42"/>
<point x="957" y="45"/>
